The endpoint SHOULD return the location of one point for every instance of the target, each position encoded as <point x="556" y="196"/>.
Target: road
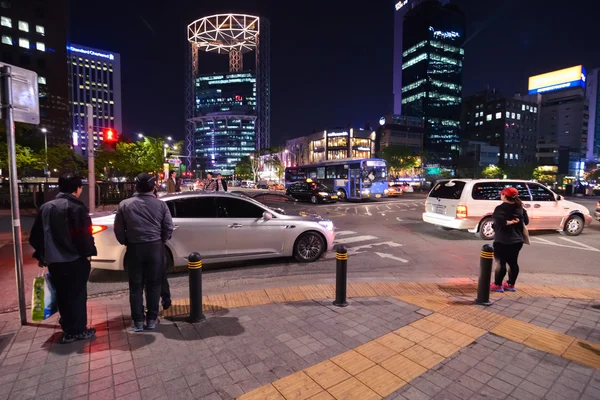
<point x="386" y="240"/>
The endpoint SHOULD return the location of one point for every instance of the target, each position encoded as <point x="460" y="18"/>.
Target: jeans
<point x="165" y="289"/>
<point x="507" y="254"/>
<point x="70" y="282"/>
<point x="145" y="266"/>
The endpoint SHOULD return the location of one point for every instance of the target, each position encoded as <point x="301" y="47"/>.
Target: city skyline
<point x="316" y="77"/>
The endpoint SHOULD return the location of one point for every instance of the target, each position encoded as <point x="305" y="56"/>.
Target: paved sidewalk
<point x="395" y="340"/>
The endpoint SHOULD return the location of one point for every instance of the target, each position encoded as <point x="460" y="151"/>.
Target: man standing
<point x="62" y="239"/>
<point x="221" y="184"/>
<point x="172" y="183"/>
<point x="143" y="223"/>
<point x="209" y="184"/>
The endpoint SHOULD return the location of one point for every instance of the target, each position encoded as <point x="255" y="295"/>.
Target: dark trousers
<point x="165" y="289"/>
<point x="70" y="282"/>
<point x="507" y="254"/>
<point x="145" y="265"/>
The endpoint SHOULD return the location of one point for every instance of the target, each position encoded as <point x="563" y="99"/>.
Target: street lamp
<point x="169" y="138"/>
<point x="140" y="135"/>
<point x="46" y="171"/>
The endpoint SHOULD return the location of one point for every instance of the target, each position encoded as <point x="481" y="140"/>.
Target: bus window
<point x="321" y="173"/>
<point x="331" y="173"/>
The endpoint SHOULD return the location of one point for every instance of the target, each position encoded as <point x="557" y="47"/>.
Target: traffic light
<point x="110" y="139"/>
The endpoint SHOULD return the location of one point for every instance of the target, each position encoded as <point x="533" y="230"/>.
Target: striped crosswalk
<point x="357" y="243"/>
<point x="375" y="208"/>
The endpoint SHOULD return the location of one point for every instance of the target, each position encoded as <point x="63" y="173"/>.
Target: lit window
<point x="511" y="156"/>
<point x="534" y="109"/>
<point x="518" y="116"/>
<point x="523" y="107"/>
<point x="6" y="40"/>
<point x="23" y="43"/>
<point x="23" y="26"/>
<point x="40" y="29"/>
<point x="40" y="46"/>
<point x="516" y="156"/>
<point x="42" y="80"/>
<point x="498" y="115"/>
<point x="507" y="114"/>
<point x="512" y="115"/>
<point x="488" y="117"/>
<point x="5" y="21"/>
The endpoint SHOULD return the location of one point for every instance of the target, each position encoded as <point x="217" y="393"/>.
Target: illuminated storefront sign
<point x="401" y="4"/>
<point x="382" y="121"/>
<point x="444" y="34"/>
<point x="334" y="134"/>
<point x="556" y="80"/>
<point x="91" y="52"/>
<point x="75" y="139"/>
<point x="361" y="148"/>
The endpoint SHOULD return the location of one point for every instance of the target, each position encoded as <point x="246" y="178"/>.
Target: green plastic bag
<point x="43" y="301"/>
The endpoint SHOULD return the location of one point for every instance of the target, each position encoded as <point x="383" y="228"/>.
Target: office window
<point x="518" y="116"/>
<point x="7" y="40"/>
<point x="523" y="107"/>
<point x="488" y="117"/>
<point x="23" y="43"/>
<point x="42" y="80"/>
<point x="5" y="21"/>
<point x="40" y="46"/>
<point x="507" y="114"/>
<point x="40" y="29"/>
<point x="498" y="115"/>
<point x="23" y="26"/>
<point x="512" y="115"/>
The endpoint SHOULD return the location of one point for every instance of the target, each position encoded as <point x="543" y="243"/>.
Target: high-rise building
<point x="398" y="130"/>
<point x="508" y="123"/>
<point x="401" y="7"/>
<point x="34" y="37"/>
<point x="432" y="67"/>
<point x="95" y="78"/>
<point x="593" y="97"/>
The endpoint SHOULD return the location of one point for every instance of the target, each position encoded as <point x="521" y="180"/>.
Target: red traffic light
<point x="110" y="135"/>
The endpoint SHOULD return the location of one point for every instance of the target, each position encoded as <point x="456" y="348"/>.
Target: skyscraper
<point x="96" y="80"/>
<point x="432" y="66"/>
<point x="593" y="96"/>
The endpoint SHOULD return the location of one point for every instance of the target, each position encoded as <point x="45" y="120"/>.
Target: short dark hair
<point x="209" y="173"/>
<point x="69" y="183"/>
<point x="219" y="174"/>
<point x="172" y="172"/>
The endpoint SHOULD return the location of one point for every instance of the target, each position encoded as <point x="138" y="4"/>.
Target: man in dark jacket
<point x="221" y="185"/>
<point x="63" y="241"/>
<point x="143" y="223"/>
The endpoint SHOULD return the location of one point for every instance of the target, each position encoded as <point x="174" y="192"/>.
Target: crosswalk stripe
<point x="355" y="239"/>
<point x="343" y="233"/>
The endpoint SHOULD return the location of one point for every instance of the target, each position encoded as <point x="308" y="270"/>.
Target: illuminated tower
<point x="228" y="114"/>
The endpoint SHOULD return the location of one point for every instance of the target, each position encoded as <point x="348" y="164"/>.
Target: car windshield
<point x="375" y="174"/>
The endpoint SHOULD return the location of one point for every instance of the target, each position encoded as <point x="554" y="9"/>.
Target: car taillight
<point x="461" y="211"/>
<point x="98" y="228"/>
<point x="598" y="205"/>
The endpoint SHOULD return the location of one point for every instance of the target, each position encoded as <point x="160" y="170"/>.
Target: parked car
<point x="597" y="212"/>
<point x="466" y="204"/>
<point x="224" y="227"/>
<point x="312" y="191"/>
<point x="394" y="191"/>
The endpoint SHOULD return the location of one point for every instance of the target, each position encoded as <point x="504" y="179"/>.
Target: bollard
<point x="341" y="276"/>
<point x="485" y="275"/>
<point x="195" y="276"/>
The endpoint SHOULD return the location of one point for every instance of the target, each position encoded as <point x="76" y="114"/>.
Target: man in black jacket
<point x="62" y="239"/>
<point x="221" y="185"/>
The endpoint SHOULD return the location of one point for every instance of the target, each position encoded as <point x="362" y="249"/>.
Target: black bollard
<point x="485" y="275"/>
<point x="341" y="276"/>
<point x="195" y="276"/>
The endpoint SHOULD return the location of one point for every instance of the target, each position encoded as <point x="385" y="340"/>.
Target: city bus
<point x="354" y="179"/>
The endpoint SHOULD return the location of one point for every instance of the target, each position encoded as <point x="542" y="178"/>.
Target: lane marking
<point x="391" y="257"/>
<point x="367" y="210"/>
<point x="355" y="239"/>
<point x="342" y="233"/>
<point x="545" y="241"/>
<point x="584" y="246"/>
<point x="399" y="219"/>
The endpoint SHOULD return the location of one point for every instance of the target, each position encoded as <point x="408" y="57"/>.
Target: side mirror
<point x="267" y="216"/>
<point x="559" y="198"/>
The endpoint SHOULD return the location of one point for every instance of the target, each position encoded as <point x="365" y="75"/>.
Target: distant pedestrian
<point x="63" y="241"/>
<point x="143" y="223"/>
<point x="173" y="185"/>
<point x="221" y="185"/>
<point x="209" y="184"/>
<point x="510" y="219"/>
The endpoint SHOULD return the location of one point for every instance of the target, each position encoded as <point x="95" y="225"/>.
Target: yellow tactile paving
<point x="293" y="294"/>
<point x="427" y="326"/>
<point x="515" y="330"/>
<point x="258" y="297"/>
<point x="275" y="295"/>
<point x="411" y="333"/>
<point x="327" y="374"/>
<point x="474" y="316"/>
<point x="353" y="389"/>
<point x="322" y="396"/>
<point x="375" y="352"/>
<point x="318" y="292"/>
<point x="380" y="380"/>
<point x="433" y="303"/>
<point x="584" y="352"/>
<point x="298" y="386"/>
<point x="360" y="290"/>
<point x="395" y="342"/>
<point x="423" y="356"/>
<point x="440" y="346"/>
<point x="267" y="392"/>
<point x="549" y="341"/>
<point x="353" y="362"/>
<point x="403" y="367"/>
<point x="456" y="338"/>
<point x="235" y="300"/>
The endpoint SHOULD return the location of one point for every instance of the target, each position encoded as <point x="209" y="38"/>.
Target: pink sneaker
<point x="508" y="287"/>
<point x="496" y="288"/>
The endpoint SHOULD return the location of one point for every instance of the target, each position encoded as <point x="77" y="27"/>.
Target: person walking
<point x="62" y="239"/>
<point x="173" y="183"/>
<point x="221" y="185"/>
<point x="143" y="223"/>
<point x="209" y="184"/>
<point x="510" y="219"/>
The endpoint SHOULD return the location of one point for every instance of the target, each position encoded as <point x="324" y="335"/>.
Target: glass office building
<point x="432" y="68"/>
<point x="225" y="120"/>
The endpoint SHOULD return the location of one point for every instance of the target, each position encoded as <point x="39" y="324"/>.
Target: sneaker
<point x="166" y="304"/>
<point x="496" y="288"/>
<point x="508" y="287"/>
<point x="70" y="338"/>
<point x="67" y="338"/>
<point x="151" y="324"/>
<point x="138" y="326"/>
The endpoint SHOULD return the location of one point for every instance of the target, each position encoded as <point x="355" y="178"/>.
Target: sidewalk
<point x="394" y="340"/>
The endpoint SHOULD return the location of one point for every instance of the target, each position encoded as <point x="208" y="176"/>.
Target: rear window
<point x="448" y="190"/>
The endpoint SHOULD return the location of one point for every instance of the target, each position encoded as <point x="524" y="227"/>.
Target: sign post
<point x="22" y="84"/>
<point x="91" y="167"/>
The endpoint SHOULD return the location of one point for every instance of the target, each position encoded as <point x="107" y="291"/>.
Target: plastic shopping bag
<point x="43" y="302"/>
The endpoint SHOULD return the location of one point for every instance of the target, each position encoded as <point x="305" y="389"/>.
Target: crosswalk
<point x="379" y="208"/>
<point x="357" y="244"/>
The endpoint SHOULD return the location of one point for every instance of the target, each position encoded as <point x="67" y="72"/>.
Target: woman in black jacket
<point x="509" y="220"/>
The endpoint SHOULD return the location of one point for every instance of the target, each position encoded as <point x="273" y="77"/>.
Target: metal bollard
<point x="195" y="276"/>
<point x="485" y="275"/>
<point x="341" y="276"/>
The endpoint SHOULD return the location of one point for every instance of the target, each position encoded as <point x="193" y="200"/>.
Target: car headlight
<point x="324" y="194"/>
<point x="327" y="225"/>
<point x="386" y="191"/>
<point x="366" y="191"/>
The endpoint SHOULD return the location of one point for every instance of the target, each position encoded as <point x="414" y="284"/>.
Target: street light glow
<point x="174" y="147"/>
<point x="169" y="138"/>
<point x="140" y="135"/>
<point x="44" y="130"/>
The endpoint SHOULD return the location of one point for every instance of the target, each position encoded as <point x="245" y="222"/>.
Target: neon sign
<point x="334" y="134"/>
<point x="401" y="4"/>
<point x="75" y="139"/>
<point x="91" y="52"/>
<point x="444" y="34"/>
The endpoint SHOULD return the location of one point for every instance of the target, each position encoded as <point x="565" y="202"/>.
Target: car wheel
<point x="486" y="229"/>
<point x="314" y="199"/>
<point x="309" y="247"/>
<point x="343" y="196"/>
<point x="573" y="226"/>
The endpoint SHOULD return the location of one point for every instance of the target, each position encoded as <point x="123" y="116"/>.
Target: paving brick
<point x="428" y="386"/>
<point x="353" y="389"/>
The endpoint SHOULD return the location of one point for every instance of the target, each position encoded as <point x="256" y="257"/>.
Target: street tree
<point x="276" y="164"/>
<point x="63" y="158"/>
<point x="243" y="169"/>
<point x="492" y="171"/>
<point x="400" y="159"/>
<point x="520" y="171"/>
<point x="544" y="175"/>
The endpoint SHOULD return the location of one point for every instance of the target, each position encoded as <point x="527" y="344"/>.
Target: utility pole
<point x="91" y="169"/>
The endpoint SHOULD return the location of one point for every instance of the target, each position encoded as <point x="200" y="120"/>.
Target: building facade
<point x="271" y="167"/>
<point x="225" y="120"/>
<point x="476" y="156"/>
<point x="34" y="37"/>
<point x="510" y="124"/>
<point x="592" y="94"/>
<point x="432" y="75"/>
<point x="398" y="130"/>
<point x="95" y="79"/>
<point x="298" y="149"/>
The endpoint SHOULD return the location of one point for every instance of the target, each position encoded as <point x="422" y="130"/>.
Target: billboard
<point x="556" y="80"/>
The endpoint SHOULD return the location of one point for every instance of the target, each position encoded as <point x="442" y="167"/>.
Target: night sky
<point x="331" y="60"/>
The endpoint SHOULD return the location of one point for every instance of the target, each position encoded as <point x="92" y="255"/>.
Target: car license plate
<point x="377" y="196"/>
<point x="440" y="209"/>
<point x="334" y="197"/>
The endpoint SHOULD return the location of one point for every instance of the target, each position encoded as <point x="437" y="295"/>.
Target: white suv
<point x="468" y="204"/>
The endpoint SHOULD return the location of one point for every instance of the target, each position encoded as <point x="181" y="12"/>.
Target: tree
<point x="544" y="174"/>
<point x="276" y="164"/>
<point x="63" y="159"/>
<point x="243" y="169"/>
<point x="521" y="171"/>
<point x="400" y="159"/>
<point x="492" y="171"/>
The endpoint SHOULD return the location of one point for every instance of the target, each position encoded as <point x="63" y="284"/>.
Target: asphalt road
<point x="387" y="240"/>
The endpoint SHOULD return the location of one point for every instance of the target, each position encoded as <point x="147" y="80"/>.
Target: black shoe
<point x="151" y="324"/>
<point x="70" y="338"/>
<point x="66" y="338"/>
<point x="166" y="304"/>
<point x="138" y="326"/>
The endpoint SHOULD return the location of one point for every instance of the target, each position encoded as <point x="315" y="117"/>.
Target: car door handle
<point x="175" y="227"/>
<point x="527" y="205"/>
<point x="290" y="226"/>
<point x="235" y="226"/>
<point x="536" y="206"/>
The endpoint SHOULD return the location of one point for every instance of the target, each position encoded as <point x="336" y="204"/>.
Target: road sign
<point x="26" y="101"/>
<point x="175" y="161"/>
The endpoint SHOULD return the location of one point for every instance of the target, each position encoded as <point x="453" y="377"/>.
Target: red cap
<point x="510" y="192"/>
